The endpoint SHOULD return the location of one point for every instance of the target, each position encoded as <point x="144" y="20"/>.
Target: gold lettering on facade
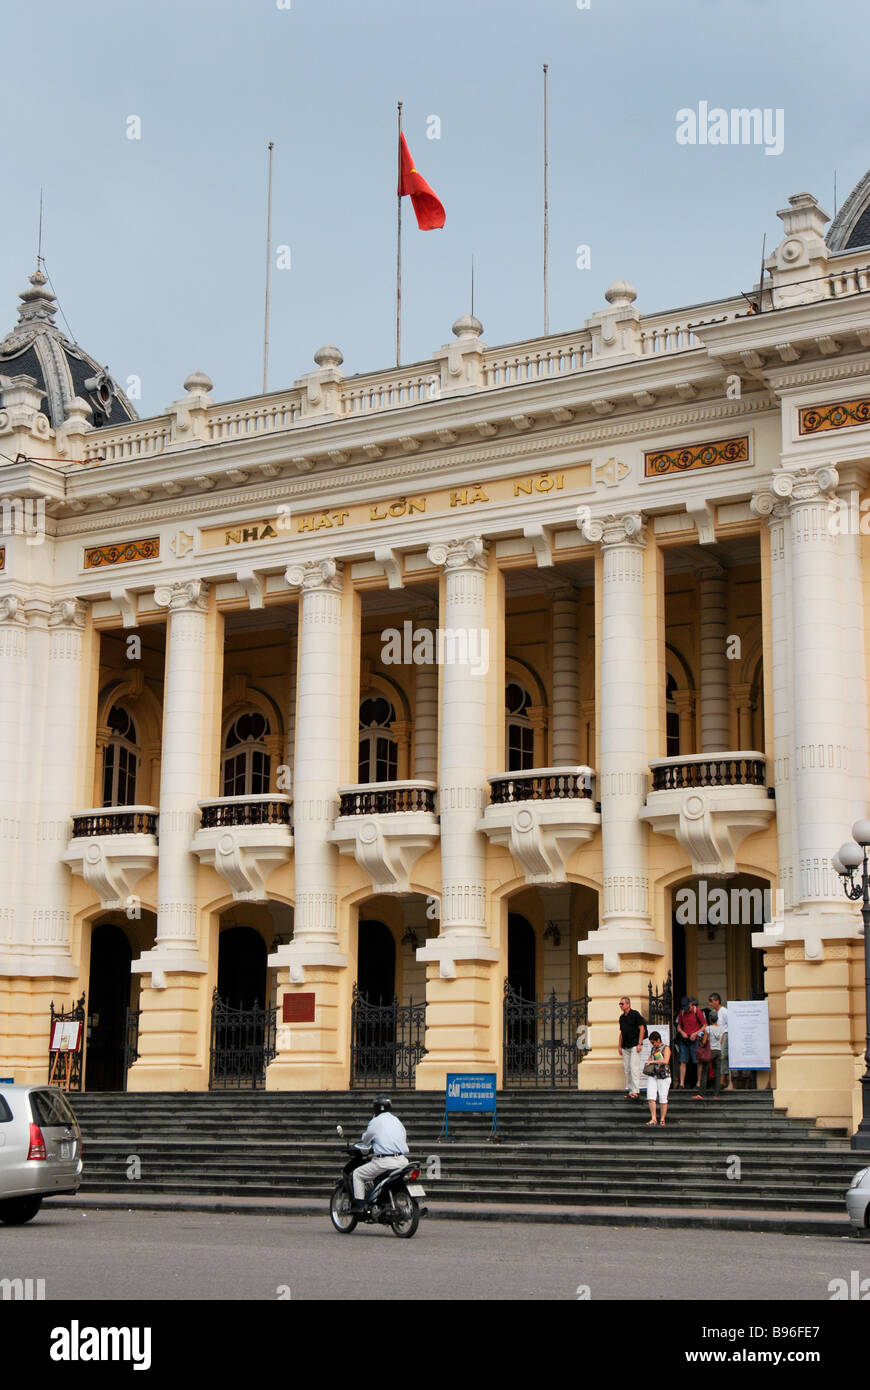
<point x="544" y="482"/>
<point x="466" y="496"/>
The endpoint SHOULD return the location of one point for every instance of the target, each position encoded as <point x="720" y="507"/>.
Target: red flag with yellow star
<point x="428" y="209"/>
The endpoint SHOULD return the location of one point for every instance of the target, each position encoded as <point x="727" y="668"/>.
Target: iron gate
<point x="242" y="1044"/>
<point x="131" y="1040"/>
<point x="542" y="1042"/>
<point x="74" y="1014"/>
<point x="386" y="1042"/>
<point x="660" y="1009"/>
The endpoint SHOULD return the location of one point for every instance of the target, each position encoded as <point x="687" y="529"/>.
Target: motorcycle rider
<point x="385" y="1137"/>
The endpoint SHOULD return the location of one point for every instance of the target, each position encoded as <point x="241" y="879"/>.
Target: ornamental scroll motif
<point x="682" y="460"/>
<point x="98" y="556"/>
<point x="836" y="415"/>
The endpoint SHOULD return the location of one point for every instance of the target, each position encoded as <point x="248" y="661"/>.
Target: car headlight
<point x="859" y="1178"/>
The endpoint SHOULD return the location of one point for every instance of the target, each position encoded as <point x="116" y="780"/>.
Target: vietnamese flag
<point x="428" y="209"/>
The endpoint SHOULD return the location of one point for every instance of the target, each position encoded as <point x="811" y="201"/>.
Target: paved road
<point x="193" y="1255"/>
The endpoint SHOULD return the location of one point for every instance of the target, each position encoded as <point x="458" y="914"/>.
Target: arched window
<point x="246" y="764"/>
<point x="520" y="735"/>
<point x="378" y="750"/>
<point x="672" y="719"/>
<point x="120" y="760"/>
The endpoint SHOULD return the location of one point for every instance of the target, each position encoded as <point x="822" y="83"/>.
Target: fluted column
<point x="462" y="790"/>
<point x="181" y="778"/>
<point x="58" y="787"/>
<point x="317" y="771"/>
<point x="566" y="681"/>
<point x="13" y="763"/>
<point x="624" y="766"/>
<point x="715" y="714"/>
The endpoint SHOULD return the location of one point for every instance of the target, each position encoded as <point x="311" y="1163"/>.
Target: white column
<point x="462" y="784"/>
<point x="566" y="681"/>
<point x="290" y="736"/>
<point x="825" y="802"/>
<point x="317" y="770"/>
<point x="715" y="712"/>
<point x="15" y="757"/>
<point x="58" y="784"/>
<point x="781" y="675"/>
<point x="853" y="651"/>
<point x="181" y="770"/>
<point x="624" y="769"/>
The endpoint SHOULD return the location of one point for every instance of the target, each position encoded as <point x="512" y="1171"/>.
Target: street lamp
<point x="848" y="858"/>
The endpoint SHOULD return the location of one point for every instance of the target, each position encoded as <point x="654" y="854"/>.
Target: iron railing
<point x="243" y="1043"/>
<point x="74" y="1014"/>
<point x="386" y="1042"/>
<point x="386" y="799"/>
<point x="541" y="784"/>
<point x="722" y="770"/>
<point x="115" y="820"/>
<point x="131" y="1040"/>
<point x="543" y="1042"/>
<point x="246" y="810"/>
<point x="660" y="1011"/>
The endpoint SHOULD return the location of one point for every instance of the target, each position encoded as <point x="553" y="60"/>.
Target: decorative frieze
<point x="677" y="459"/>
<point x="835" y="415"/>
<point x="98" y="556"/>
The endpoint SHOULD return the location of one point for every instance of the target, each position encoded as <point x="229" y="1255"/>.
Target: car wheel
<point x="15" y="1211"/>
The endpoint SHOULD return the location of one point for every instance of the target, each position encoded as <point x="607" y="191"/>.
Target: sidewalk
<point x="706" y="1218"/>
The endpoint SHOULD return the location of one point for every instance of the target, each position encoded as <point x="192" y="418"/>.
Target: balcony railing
<point x="386" y="798"/>
<point x="114" y="820"/>
<point x="709" y="770"/>
<point x="541" y="784"/>
<point x="267" y="809"/>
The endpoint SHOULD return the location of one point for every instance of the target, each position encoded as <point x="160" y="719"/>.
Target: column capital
<point x="628" y="529"/>
<point x="311" y="575"/>
<point x="800" y="485"/>
<point x="191" y="595"/>
<point x="709" y="569"/>
<point x="67" y="612"/>
<point x="453" y="555"/>
<point x="768" y="506"/>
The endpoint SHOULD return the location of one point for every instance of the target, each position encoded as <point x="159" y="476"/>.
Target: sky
<point x="155" y="245"/>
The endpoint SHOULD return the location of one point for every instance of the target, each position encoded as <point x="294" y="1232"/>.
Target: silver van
<point x="40" y="1150"/>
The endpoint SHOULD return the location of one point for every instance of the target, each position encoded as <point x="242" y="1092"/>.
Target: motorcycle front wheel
<point x="409" y="1218"/>
<point x="339" y="1211"/>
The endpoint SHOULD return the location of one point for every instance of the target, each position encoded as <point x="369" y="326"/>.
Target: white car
<point x="858" y="1200"/>
<point x="40" y="1150"/>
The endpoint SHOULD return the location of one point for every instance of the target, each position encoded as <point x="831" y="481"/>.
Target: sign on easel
<point x="470" y="1094"/>
<point x="66" y="1041"/>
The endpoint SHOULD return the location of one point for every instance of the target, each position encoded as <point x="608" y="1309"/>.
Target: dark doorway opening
<point x="242" y="967"/>
<point x="678" y="953"/>
<point x="376" y="963"/>
<point x="521" y="956"/>
<point x="108" y="998"/>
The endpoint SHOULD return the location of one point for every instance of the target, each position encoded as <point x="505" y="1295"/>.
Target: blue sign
<point x="471" y="1092"/>
<point x="7" y="1080"/>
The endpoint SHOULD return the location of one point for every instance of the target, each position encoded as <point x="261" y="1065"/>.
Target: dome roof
<point x="61" y="369"/>
<point x="851" y="227"/>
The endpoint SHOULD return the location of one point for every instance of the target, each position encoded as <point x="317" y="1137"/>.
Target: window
<point x="246" y="764"/>
<point x="519" y="732"/>
<point x="120" y="760"/>
<point x="378" y="750"/>
<point x="672" y="720"/>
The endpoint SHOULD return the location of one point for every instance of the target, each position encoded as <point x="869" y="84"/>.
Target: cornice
<point x="403" y="469"/>
<point x="793" y="378"/>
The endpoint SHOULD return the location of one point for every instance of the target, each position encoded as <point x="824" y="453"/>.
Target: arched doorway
<point x="108" y="998"/>
<point x="243" y="1025"/>
<point x="376" y="962"/>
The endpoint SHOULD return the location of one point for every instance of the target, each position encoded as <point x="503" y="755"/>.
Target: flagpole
<point x="546" y="209"/>
<point x="268" y="274"/>
<point x="399" y="244"/>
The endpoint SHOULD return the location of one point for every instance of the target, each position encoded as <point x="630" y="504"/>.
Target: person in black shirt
<point x="632" y="1031"/>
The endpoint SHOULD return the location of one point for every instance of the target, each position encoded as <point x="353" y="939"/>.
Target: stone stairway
<point x="570" y="1147"/>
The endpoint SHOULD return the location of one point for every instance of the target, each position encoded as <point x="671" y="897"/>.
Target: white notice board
<point x="748" y="1035"/>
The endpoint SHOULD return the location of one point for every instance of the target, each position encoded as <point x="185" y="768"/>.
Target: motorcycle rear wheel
<point x="339" y="1211"/>
<point x="410" y="1210"/>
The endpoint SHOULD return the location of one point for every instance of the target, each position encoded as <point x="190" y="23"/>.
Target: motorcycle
<point x="392" y="1201"/>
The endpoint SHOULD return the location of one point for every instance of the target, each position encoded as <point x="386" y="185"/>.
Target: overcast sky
<point x="155" y="246"/>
